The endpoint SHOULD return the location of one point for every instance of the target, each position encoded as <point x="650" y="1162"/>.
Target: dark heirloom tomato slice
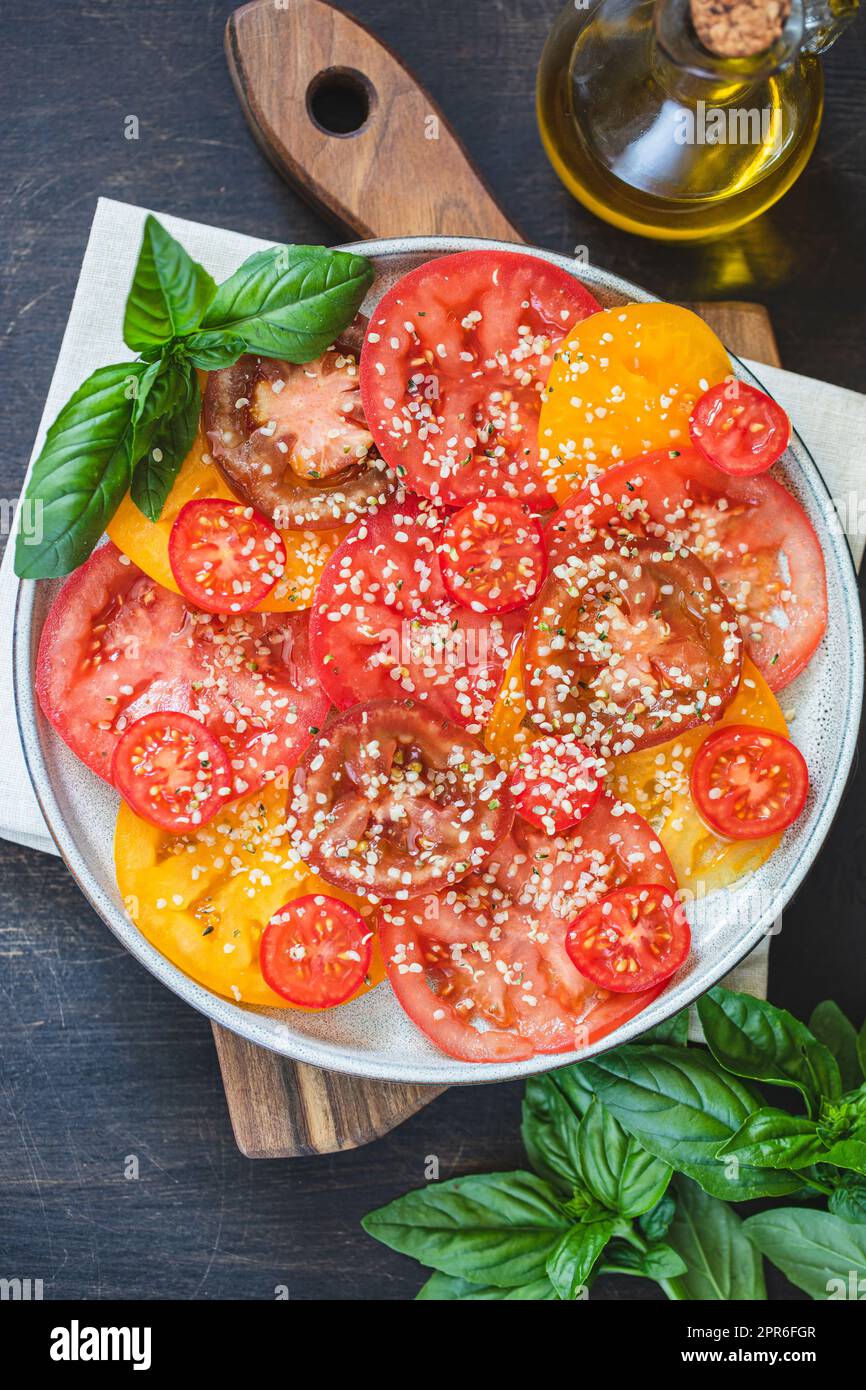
<point x="628" y="646"/>
<point x="452" y="370"/>
<point x="390" y="801"/>
<point x="171" y="770"/>
<point x="292" y="440"/>
<point x="749" y="782"/>
<point x="750" y="532"/>
<point x="225" y="557"/>
<point x="631" y="939"/>
<point x="739" y="429"/>
<point x="384" y="626"/>
<point x="116" y="646"/>
<point x="492" y="556"/>
<point x="556" y="782"/>
<point x="482" y="968"/>
<point x="316" y="951"/>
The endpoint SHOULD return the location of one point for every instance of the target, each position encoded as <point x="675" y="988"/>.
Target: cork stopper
<point x="739" y="28"/>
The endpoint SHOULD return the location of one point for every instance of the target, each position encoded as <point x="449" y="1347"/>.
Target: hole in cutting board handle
<point x="339" y="101"/>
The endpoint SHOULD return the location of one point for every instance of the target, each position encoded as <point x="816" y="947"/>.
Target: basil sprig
<point x="604" y="1138"/>
<point x="130" y="425"/>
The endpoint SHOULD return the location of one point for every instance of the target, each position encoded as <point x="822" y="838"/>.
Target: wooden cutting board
<point x="354" y="132"/>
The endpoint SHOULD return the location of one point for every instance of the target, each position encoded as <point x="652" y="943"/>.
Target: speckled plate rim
<point x="443" y="1070"/>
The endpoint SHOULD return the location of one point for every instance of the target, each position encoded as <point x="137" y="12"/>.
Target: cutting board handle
<point x="304" y="72"/>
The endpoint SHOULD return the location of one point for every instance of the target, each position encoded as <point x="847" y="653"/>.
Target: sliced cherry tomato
<point x="384" y="625"/>
<point x="556" y="782"/>
<point x="205" y="898"/>
<point x="656" y="781"/>
<point x="493" y="556"/>
<point x="482" y="968"/>
<point x="750" y="532"/>
<point x="225" y="557"/>
<point x="316" y="951"/>
<point x="453" y="367"/>
<point x="749" y="782"/>
<point x="629" y="645"/>
<point x="146" y="542"/>
<point x="171" y="770"/>
<point x="116" y="646"/>
<point x="626" y="381"/>
<point x="292" y="440"/>
<point x="631" y="939"/>
<point x="391" y="800"/>
<point x="738" y="428"/>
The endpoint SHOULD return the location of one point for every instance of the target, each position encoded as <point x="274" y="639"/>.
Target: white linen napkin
<point x="832" y="422"/>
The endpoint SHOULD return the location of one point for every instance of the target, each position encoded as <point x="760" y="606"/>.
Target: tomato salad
<point x="522" y="697"/>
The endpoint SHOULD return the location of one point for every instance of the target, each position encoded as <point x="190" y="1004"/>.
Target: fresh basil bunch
<point x="130" y="425"/>
<point x="606" y="1138"/>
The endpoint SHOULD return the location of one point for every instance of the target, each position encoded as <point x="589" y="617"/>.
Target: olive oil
<point x="657" y="135"/>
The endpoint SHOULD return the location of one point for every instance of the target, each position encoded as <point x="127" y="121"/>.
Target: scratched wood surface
<point x="102" y="1071"/>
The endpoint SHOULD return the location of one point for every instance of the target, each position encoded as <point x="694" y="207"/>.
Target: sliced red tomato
<point x="292" y="440"/>
<point x="482" y="968"/>
<point x="493" y="557"/>
<point x="452" y="370"/>
<point x="631" y="939"/>
<point x="391" y="800"/>
<point x="749" y="782"/>
<point x="225" y="557"/>
<point x="628" y="645"/>
<point x="556" y="782"/>
<point x="750" y="532"/>
<point x="116" y="646"/>
<point x="316" y="951"/>
<point x="171" y="770"/>
<point x="738" y="428"/>
<point x="383" y="624"/>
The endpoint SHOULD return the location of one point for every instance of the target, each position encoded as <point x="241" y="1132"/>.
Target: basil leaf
<point x="619" y="1171"/>
<point x="848" y="1200"/>
<point x="570" y="1264"/>
<point x="656" y="1222"/>
<point x="721" y="1263"/>
<point x="498" y="1228"/>
<point x="683" y="1106"/>
<point x="170" y="291"/>
<point x="443" y="1288"/>
<point x="571" y="1084"/>
<point x="755" y="1039"/>
<point x="213" y="351"/>
<point x="861" y="1048"/>
<point x="289" y="302"/>
<point x="817" y="1251"/>
<point x="837" y="1033"/>
<point x="549" y="1130"/>
<point x="673" y="1030"/>
<point x="175" y="419"/>
<point x="82" y="473"/>
<point x="657" y="1262"/>
<point x="774" y="1139"/>
<point x="848" y="1153"/>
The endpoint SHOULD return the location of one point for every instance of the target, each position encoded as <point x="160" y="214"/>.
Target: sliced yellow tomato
<point x="656" y="782"/>
<point x="624" y="382"/>
<point x="507" y="734"/>
<point x="146" y="542"/>
<point x="204" y="899"/>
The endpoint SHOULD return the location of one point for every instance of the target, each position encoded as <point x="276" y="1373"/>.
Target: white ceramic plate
<point x="373" y="1037"/>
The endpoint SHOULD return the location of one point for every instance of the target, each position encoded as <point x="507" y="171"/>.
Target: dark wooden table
<point x="99" y="1065"/>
